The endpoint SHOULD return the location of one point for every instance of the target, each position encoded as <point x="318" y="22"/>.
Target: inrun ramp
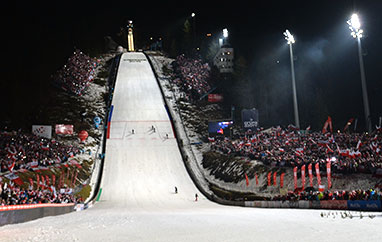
<point x="143" y="163"/>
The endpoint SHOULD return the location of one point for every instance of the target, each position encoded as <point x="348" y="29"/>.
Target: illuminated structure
<point x="130" y="37"/>
<point x="290" y="39"/>
<point x="357" y="33"/>
<point x="223" y="60"/>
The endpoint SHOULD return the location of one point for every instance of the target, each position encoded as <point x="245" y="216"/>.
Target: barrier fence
<point x="369" y="205"/>
<point x="22" y="213"/>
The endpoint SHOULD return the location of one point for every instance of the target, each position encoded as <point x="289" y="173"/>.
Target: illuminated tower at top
<point x="130" y="38"/>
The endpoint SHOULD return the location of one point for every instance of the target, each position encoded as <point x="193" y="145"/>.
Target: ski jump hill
<point x="143" y="163"/>
<point x="138" y="201"/>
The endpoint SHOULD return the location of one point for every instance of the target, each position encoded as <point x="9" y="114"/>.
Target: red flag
<point x="10" y="168"/>
<point x="317" y="166"/>
<point x="43" y="182"/>
<point x="310" y="172"/>
<point x="275" y="178"/>
<point x="282" y="179"/>
<point x="295" y="177"/>
<point x="246" y="179"/>
<point x="269" y="178"/>
<point x="303" y="176"/>
<point x="329" y="174"/>
<point x="327" y="123"/>
<point x="53" y="180"/>
<point x="38" y="180"/>
<point x="257" y="180"/>
<point x="31" y="182"/>
<point x="47" y="180"/>
<point x="348" y="124"/>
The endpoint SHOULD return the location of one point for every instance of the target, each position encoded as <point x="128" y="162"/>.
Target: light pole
<point x="356" y="32"/>
<point x="289" y="37"/>
<point x="194" y="28"/>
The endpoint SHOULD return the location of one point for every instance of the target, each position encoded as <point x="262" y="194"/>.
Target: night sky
<point x="39" y="37"/>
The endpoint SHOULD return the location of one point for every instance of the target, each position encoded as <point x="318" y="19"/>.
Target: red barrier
<point x="334" y="204"/>
<point x="30" y="206"/>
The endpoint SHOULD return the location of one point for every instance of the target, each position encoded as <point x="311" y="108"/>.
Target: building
<point x="223" y="60"/>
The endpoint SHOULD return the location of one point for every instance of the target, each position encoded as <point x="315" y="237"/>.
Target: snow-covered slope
<point x="143" y="166"/>
<point x="138" y="201"/>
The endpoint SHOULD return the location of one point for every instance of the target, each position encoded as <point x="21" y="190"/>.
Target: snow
<point x="138" y="202"/>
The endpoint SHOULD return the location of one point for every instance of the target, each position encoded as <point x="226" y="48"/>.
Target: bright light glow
<point x="355" y="26"/>
<point x="289" y="37"/>
<point x="225" y="33"/>
<point x="192" y="15"/>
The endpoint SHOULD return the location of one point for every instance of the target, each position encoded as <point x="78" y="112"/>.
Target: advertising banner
<point x="269" y="178"/>
<point x="215" y="98"/>
<point x="371" y="205"/>
<point x="303" y="176"/>
<point x="220" y="127"/>
<point x="317" y="166"/>
<point x="250" y="118"/>
<point x="310" y="172"/>
<point x="295" y="177"/>
<point x="334" y="204"/>
<point x="42" y="131"/>
<point x="329" y="174"/>
<point x="64" y="129"/>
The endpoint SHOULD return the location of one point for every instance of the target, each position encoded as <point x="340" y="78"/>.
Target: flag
<point x="47" y="180"/>
<point x="348" y="124"/>
<point x="295" y="177"/>
<point x="246" y="179"/>
<point x="14" y="178"/>
<point x="317" y="166"/>
<point x="10" y="168"/>
<point x="275" y="178"/>
<point x="269" y="178"/>
<point x="329" y="172"/>
<point x="53" y="180"/>
<point x="38" y="181"/>
<point x="31" y="183"/>
<point x="303" y="176"/>
<point x="327" y="123"/>
<point x="282" y="179"/>
<point x="359" y="144"/>
<point x="257" y="180"/>
<point x="310" y="172"/>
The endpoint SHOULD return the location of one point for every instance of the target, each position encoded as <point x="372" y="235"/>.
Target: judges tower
<point x="130" y="38"/>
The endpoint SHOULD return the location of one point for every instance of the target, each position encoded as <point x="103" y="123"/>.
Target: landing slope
<point x="143" y="163"/>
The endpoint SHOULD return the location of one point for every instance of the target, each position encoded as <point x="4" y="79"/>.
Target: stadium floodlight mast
<point x="290" y="39"/>
<point x="357" y="33"/>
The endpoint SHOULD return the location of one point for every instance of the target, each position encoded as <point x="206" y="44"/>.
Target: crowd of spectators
<point x="347" y="152"/>
<point x="76" y="74"/>
<point x="328" y="195"/>
<point x="27" y="151"/>
<point x="191" y="76"/>
<point x="14" y="195"/>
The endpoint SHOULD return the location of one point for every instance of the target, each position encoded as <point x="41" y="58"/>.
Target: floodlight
<point x="289" y="37"/>
<point x="225" y="33"/>
<point x="192" y="15"/>
<point x="355" y="26"/>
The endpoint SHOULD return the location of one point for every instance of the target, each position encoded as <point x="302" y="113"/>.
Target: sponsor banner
<point x="215" y="98"/>
<point x="364" y="205"/>
<point x="64" y="129"/>
<point x="315" y="204"/>
<point x="220" y="127"/>
<point x="250" y="118"/>
<point x="334" y="204"/>
<point x="304" y="204"/>
<point x="42" y="131"/>
<point x="249" y="203"/>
